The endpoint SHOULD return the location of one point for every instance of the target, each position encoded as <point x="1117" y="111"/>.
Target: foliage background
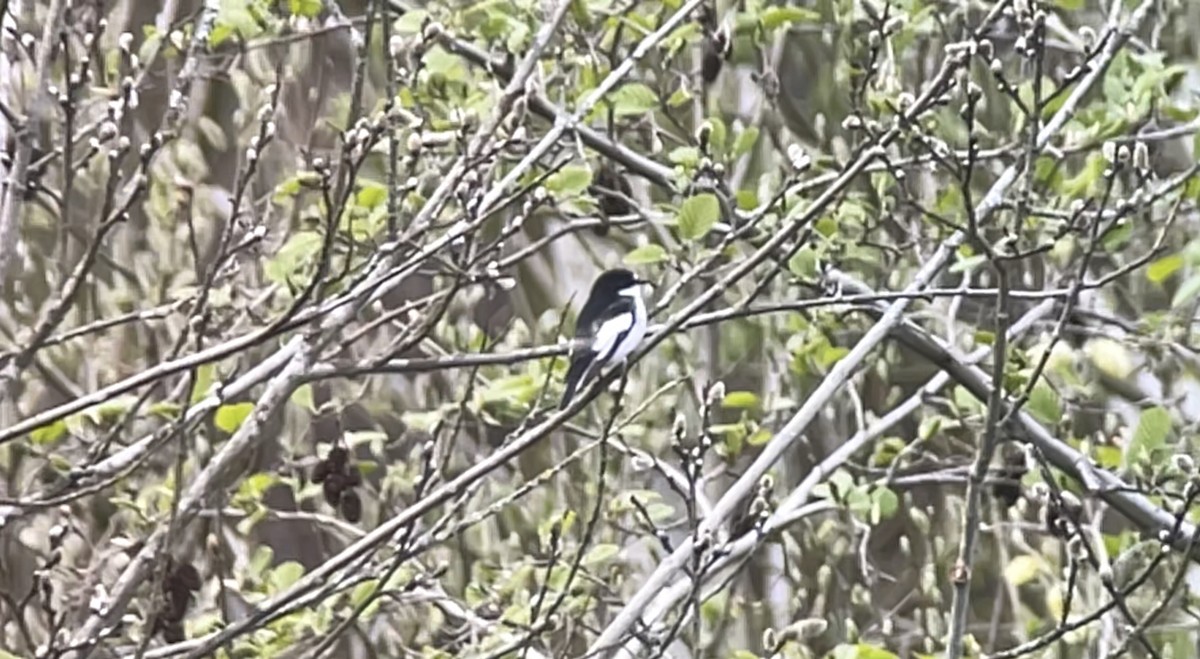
<point x="240" y="236"/>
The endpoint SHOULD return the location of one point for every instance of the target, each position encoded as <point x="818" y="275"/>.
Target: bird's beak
<point x="644" y="282"/>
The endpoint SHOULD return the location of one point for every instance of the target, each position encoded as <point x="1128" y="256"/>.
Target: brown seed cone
<point x="332" y="487"/>
<point x="337" y="458"/>
<point x="320" y="471"/>
<point x="711" y="63"/>
<point x="188" y="576"/>
<point x="172" y="631"/>
<point x="175" y="603"/>
<point x="351" y="506"/>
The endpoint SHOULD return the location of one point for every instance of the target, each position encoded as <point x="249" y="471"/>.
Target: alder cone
<point x="711" y="63"/>
<point x="332" y="488"/>
<point x="320" y="471"/>
<point x="351" y="507"/>
<point x="610" y="205"/>
<point x="175" y="604"/>
<point x="172" y="631"/>
<point x="337" y="458"/>
<point x="188" y="576"/>
<point x="1007" y="493"/>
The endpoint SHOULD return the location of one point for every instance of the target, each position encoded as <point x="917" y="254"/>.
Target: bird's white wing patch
<point x="636" y="327"/>
<point x="609" y="333"/>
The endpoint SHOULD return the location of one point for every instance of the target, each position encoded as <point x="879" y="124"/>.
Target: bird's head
<point x="617" y="281"/>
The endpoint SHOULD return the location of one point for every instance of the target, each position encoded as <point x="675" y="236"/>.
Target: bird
<point x="612" y="323"/>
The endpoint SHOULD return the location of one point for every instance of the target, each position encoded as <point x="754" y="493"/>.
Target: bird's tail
<point x="575" y="378"/>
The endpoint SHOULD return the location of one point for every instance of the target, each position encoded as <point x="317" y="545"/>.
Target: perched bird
<point x="612" y="323"/>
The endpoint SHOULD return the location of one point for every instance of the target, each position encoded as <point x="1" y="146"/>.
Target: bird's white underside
<point x="611" y="330"/>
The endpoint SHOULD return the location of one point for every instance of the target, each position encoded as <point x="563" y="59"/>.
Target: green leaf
<point x="804" y="262"/>
<point x="1110" y="357"/>
<point x="969" y="263"/>
<point x="716" y="138"/>
<point x="303" y="396"/>
<point x="1044" y="405"/>
<point x="745" y="141"/>
<point x="697" y="216"/>
<point x="441" y="62"/>
<point x="255" y="485"/>
<point x="259" y="560"/>
<point x="687" y="156"/>
<point x="646" y="254"/>
<point x="1154" y="425"/>
<point x="370" y="194"/>
<point x="1117" y="237"/>
<point x="569" y="181"/>
<point x="861" y="651"/>
<point x="220" y="33"/>
<point x="1087" y="180"/>
<point x="301" y="246"/>
<point x="305" y="8"/>
<point x="285" y="574"/>
<point x="410" y="22"/>
<point x="829" y="355"/>
<point x="679" y="97"/>
<point x="887" y="451"/>
<point x="760" y="437"/>
<point x="109" y="410"/>
<point x="633" y="98"/>
<point x="1022" y="569"/>
<point x="362" y="592"/>
<point x="601" y="553"/>
<point x="48" y="434"/>
<point x="740" y="400"/>
<point x="1160" y="270"/>
<point x="1109" y="457"/>
<point x="291" y="186"/>
<point x="230" y="417"/>
<point x="884" y="503"/>
<point x="165" y="409"/>
<point x="777" y="16"/>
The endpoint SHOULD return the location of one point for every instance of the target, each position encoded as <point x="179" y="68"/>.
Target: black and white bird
<point x="612" y="323"/>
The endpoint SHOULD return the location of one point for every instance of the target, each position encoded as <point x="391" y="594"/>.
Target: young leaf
<point x="740" y="400"/>
<point x="633" y="98"/>
<point x="697" y="216"/>
<point x="1022" y="569"/>
<point x="646" y="255"/>
<point x="780" y="15"/>
<point x="230" y="417"/>
<point x="204" y="380"/>
<point x="804" y="262"/>
<point x="569" y="181"/>
<point x="1151" y="433"/>
<point x="601" y="553"/>
<point x="1160" y="270"/>
<point x="745" y="141"/>
<point x="303" y="396"/>
<point x="1043" y="404"/>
